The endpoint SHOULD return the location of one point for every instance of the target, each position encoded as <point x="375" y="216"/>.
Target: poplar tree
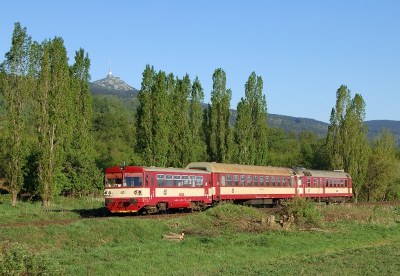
<point x="258" y="106"/>
<point x="251" y="124"/>
<point x="161" y="120"/>
<point x="180" y="143"/>
<point x="144" y="116"/>
<point x="16" y="82"/>
<point x="153" y="118"/>
<point x="79" y="167"/>
<point x="221" y="135"/>
<point x="347" y="143"/>
<point x="197" y="136"/>
<point x="51" y="111"/>
<point x="244" y="135"/>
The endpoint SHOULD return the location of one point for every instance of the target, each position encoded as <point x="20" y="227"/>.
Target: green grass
<point x="225" y="240"/>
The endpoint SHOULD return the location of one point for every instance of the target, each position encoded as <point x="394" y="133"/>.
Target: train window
<point x="192" y="181"/>
<point x="315" y="182"/>
<point x="273" y="180"/>
<point x="236" y="180"/>
<point x="262" y="181"/>
<point x="177" y="181"/>
<point x="147" y="179"/>
<point x="133" y="180"/>
<point x="242" y="180"/>
<point x="255" y="178"/>
<point x="249" y="180"/>
<point x="267" y="180"/>
<point x="185" y="180"/>
<point x="308" y="182"/>
<point x="278" y="180"/>
<point x="199" y="181"/>
<point x="342" y="183"/>
<point x="334" y="183"/>
<point x="152" y="180"/>
<point x="168" y="180"/>
<point x="289" y="182"/>
<point x="229" y="180"/>
<point x="113" y="180"/>
<point x="160" y="180"/>
<point x="283" y="181"/>
<point x="223" y="180"/>
<point x="345" y="183"/>
<point x="326" y="183"/>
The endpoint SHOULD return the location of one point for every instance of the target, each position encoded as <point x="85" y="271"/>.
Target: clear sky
<point x="303" y="50"/>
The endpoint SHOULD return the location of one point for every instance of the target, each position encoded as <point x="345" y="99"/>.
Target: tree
<point x="16" y="82"/>
<point x="251" y="125"/>
<point x="80" y="173"/>
<point x="180" y="142"/>
<point x="347" y="143"/>
<point x="221" y="135"/>
<point x="244" y="135"/>
<point x="52" y="103"/>
<point x="383" y="168"/>
<point x="144" y="116"/>
<point x="153" y="118"/>
<point x="197" y="136"/>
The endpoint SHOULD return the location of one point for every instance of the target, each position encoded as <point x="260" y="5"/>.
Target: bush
<point x="18" y="259"/>
<point x="303" y="211"/>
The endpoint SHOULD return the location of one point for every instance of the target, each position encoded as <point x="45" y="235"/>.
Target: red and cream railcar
<point x="152" y="189"/>
<point x="268" y="185"/>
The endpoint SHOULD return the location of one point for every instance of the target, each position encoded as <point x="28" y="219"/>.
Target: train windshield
<point x="133" y="180"/>
<point x="113" y="180"/>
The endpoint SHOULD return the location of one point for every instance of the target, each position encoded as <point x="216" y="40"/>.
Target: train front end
<point x="125" y="189"/>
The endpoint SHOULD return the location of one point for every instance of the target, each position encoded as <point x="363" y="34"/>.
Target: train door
<point x="208" y="189"/>
<point x="300" y="187"/>
<point x="216" y="186"/>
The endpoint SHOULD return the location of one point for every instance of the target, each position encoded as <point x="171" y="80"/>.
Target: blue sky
<point x="303" y="50"/>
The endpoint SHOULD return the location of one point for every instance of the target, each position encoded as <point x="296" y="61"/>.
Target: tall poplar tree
<point x="244" y="135"/>
<point x="81" y="174"/>
<point x="251" y="124"/>
<point x="221" y="134"/>
<point x="197" y="136"/>
<point x="347" y="143"/>
<point x="16" y="82"/>
<point x="180" y="142"/>
<point x="144" y="116"/>
<point x="51" y="111"/>
<point x="153" y="118"/>
<point x="258" y="107"/>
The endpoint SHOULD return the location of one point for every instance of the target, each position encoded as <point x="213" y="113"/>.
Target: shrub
<point x="303" y="211"/>
<point x="18" y="259"/>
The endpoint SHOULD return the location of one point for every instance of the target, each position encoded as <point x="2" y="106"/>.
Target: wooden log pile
<point x="174" y="236"/>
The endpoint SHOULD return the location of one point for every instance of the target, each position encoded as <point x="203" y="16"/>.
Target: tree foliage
<point x="221" y="144"/>
<point x="347" y="143"/>
<point x="16" y="82"/>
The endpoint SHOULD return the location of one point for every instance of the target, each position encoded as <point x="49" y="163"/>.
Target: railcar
<point x="153" y="189"/>
<point x="204" y="184"/>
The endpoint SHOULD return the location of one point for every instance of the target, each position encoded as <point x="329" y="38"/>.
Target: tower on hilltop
<point x="110" y="75"/>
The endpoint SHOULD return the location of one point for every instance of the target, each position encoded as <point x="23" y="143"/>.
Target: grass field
<point x="225" y="240"/>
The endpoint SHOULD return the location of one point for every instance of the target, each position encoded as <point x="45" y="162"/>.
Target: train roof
<point x="318" y="173"/>
<point x="240" y="169"/>
<point x="151" y="169"/>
